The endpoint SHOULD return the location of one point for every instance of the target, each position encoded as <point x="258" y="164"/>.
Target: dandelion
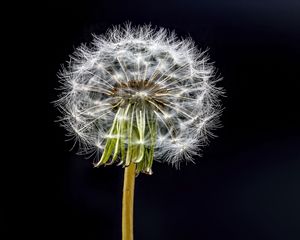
<point x="139" y="94"/>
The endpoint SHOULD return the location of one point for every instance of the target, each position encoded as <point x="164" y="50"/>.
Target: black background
<point x="247" y="183"/>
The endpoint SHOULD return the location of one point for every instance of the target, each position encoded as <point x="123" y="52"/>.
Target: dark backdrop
<point x="246" y="184"/>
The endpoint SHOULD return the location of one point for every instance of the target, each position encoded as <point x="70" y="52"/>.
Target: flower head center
<point x="139" y="92"/>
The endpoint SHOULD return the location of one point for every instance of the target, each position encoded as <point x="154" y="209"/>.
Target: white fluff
<point x="184" y="101"/>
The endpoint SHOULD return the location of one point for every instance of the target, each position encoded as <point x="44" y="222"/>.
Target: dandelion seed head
<point x="142" y="91"/>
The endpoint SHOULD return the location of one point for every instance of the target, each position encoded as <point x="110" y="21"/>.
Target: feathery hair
<point x="140" y="93"/>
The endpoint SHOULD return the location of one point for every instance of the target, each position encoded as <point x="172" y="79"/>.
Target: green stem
<point x="128" y="200"/>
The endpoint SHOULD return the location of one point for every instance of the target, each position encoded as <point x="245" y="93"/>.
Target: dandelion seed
<point x="140" y="94"/>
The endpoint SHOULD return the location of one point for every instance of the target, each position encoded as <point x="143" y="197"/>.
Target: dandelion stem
<point x="128" y="200"/>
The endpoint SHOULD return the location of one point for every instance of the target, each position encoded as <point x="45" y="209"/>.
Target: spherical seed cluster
<point x="140" y="93"/>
